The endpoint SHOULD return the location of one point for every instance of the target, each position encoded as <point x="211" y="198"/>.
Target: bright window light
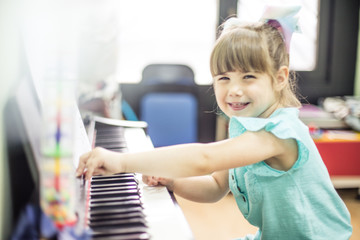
<point x="115" y="40"/>
<point x="162" y="31"/>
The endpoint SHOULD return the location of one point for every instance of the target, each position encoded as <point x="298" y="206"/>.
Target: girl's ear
<point x="282" y="77"/>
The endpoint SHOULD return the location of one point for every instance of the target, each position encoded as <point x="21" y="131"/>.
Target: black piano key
<point x="111" y="140"/>
<point x="117" y="205"/>
<point x="120" y="236"/>
<point x="110" y="133"/>
<point x="125" y="215"/>
<point x="105" y="200"/>
<point x="99" y="186"/>
<point x="114" y="188"/>
<point x="104" y="212"/>
<point x="121" y="203"/>
<point x="112" y="180"/>
<point x="100" y="125"/>
<point x="111" y="144"/>
<point x="120" y="229"/>
<point x="105" y="139"/>
<point x="117" y="175"/>
<point x="114" y="194"/>
<point x="117" y="222"/>
<point x="116" y="149"/>
<point x="135" y="236"/>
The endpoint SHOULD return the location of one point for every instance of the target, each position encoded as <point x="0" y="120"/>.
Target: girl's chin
<point x="240" y="115"/>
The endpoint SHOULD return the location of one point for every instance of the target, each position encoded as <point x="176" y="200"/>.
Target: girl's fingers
<point x="87" y="161"/>
<point x="93" y="163"/>
<point x="82" y="164"/>
<point x="145" y="179"/>
<point x="149" y="180"/>
<point x="154" y="181"/>
<point x="89" y="173"/>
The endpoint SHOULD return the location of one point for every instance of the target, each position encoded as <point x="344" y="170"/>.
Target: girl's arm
<point x="194" y="159"/>
<point x="209" y="188"/>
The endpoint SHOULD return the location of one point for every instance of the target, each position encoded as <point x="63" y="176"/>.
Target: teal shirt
<point x="300" y="203"/>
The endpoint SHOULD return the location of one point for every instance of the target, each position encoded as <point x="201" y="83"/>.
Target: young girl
<point x="270" y="163"/>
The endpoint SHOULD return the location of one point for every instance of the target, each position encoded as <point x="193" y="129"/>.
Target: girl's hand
<point x="158" y="181"/>
<point x="99" y="161"/>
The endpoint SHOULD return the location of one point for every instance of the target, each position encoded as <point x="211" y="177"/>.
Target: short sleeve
<point x="284" y="124"/>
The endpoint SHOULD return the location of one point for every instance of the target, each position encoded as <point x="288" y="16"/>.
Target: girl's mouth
<point x="237" y="106"/>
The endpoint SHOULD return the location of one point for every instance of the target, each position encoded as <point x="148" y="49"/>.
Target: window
<point x="117" y="39"/>
<point x="162" y="31"/>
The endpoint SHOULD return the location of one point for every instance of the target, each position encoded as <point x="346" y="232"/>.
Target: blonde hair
<point x="254" y="47"/>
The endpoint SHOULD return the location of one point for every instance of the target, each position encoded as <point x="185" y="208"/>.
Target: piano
<point x="119" y="206"/>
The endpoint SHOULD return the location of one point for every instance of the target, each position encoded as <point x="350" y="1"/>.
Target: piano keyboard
<point x="116" y="210"/>
<point x="110" y="137"/>
<point x="121" y="206"/>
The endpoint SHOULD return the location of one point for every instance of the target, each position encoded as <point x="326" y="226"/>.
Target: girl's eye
<point x="223" y="78"/>
<point x="248" y="76"/>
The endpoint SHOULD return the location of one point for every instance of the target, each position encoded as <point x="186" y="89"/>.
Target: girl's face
<point x="248" y="94"/>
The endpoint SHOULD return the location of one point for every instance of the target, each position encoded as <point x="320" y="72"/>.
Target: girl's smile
<point x="249" y="94"/>
<point x="238" y="106"/>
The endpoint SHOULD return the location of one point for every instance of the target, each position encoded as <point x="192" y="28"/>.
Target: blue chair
<point x="170" y="104"/>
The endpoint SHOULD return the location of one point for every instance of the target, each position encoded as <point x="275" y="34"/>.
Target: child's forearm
<point x="174" y="161"/>
<point x="201" y="188"/>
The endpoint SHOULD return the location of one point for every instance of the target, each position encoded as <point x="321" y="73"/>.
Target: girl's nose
<point x="235" y="90"/>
